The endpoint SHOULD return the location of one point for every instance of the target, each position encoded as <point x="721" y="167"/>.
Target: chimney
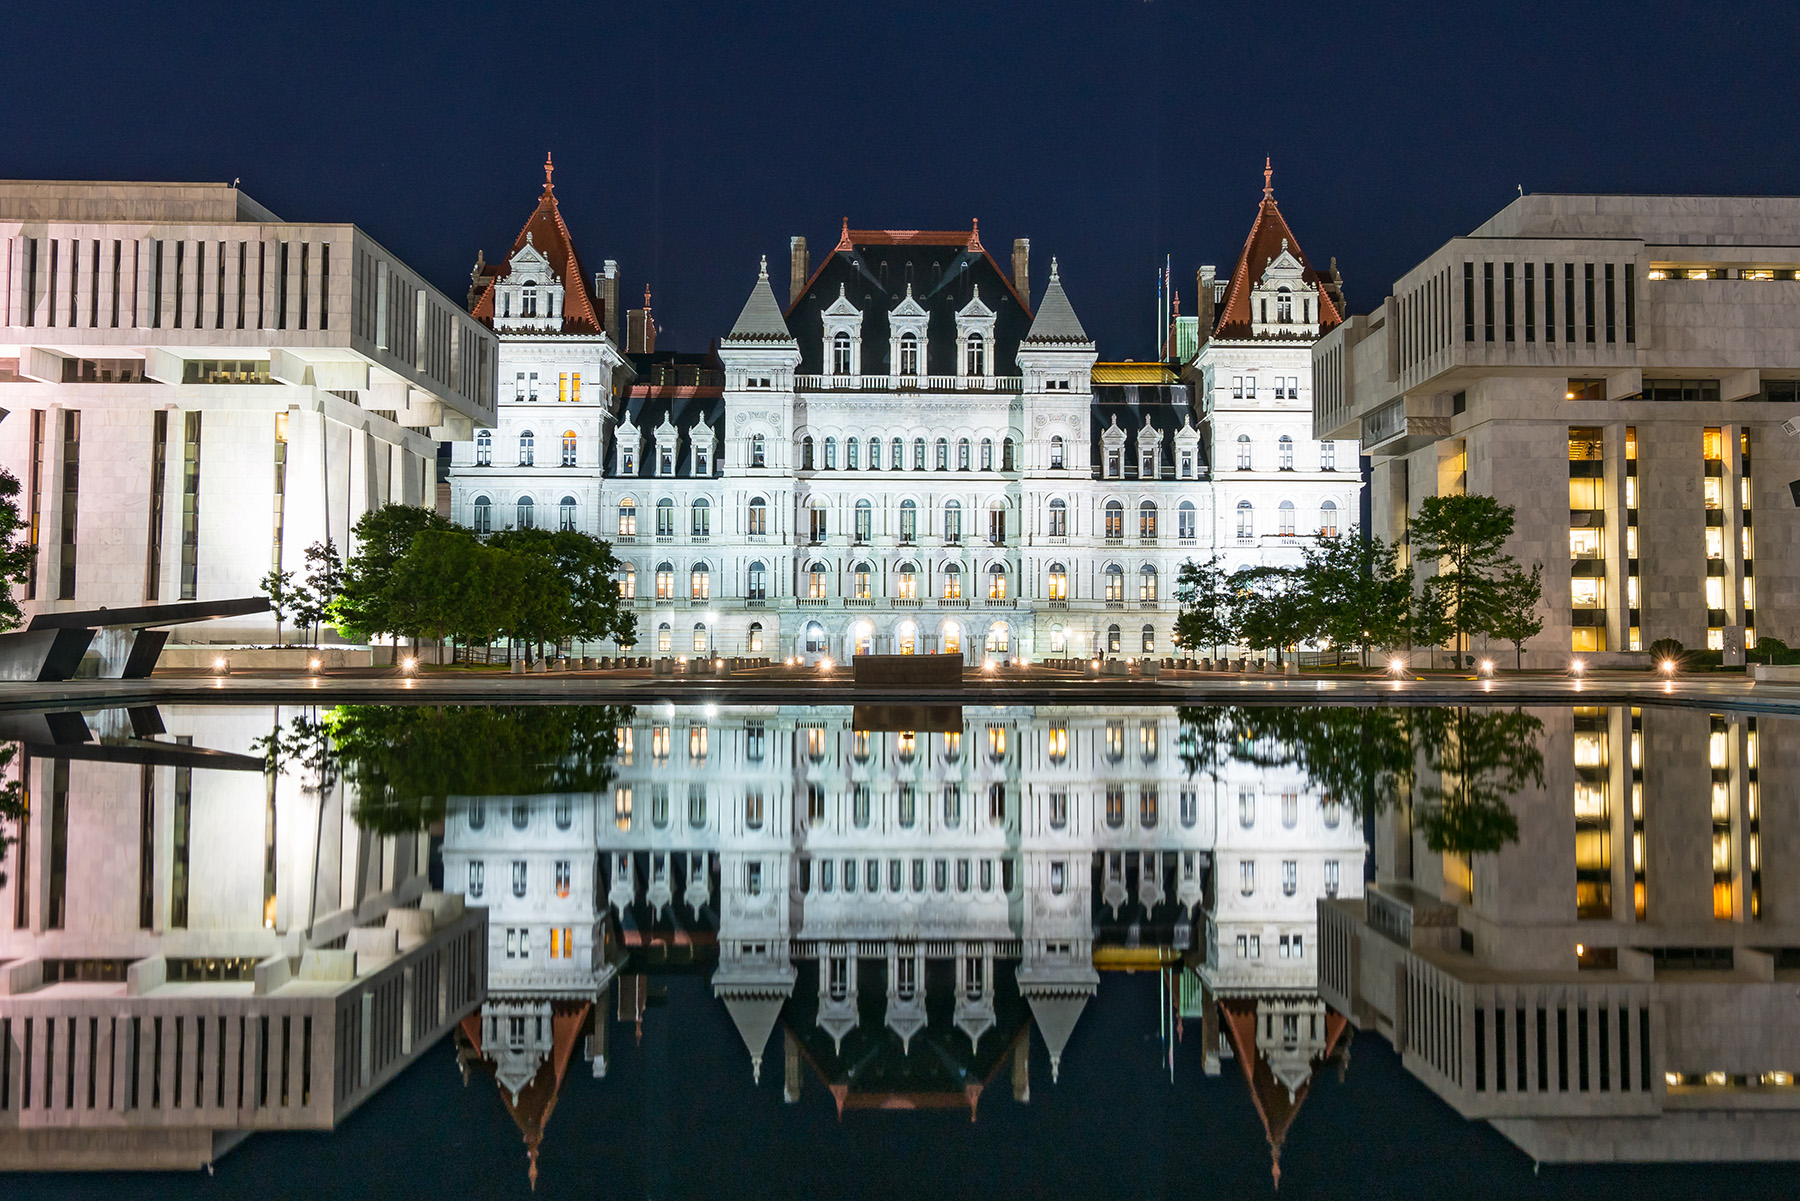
<point x="1203" y="306"/>
<point x="799" y="267"/>
<point x="640" y="328"/>
<point x="607" y="284"/>
<point x="1022" y="267"/>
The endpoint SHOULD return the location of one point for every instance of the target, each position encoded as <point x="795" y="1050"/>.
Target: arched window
<point x="528" y="299"/>
<point x="701" y="642"/>
<point x="840" y="353"/>
<point x="952" y="581"/>
<point x="759" y="517"/>
<point x="1147" y="521"/>
<point x="628" y="582"/>
<point x="815" y="581"/>
<point x="997" y="581"/>
<point x="952" y="520"/>
<point x="526" y="515"/>
<point x="1284" y="447"/>
<point x="819" y="518"/>
<point x="963" y="457"/>
<point x="701" y="517"/>
<point x="908" y="585"/>
<point x="1059" y="582"/>
<point x="1056" y="453"/>
<point x="806" y="453"/>
<point x="759" y="451"/>
<point x="627" y="518"/>
<point x="909" y="521"/>
<point x="814" y="638"/>
<point x="527" y="451"/>
<point x="862" y="638"/>
<point x="755" y="644"/>
<point x="1243" y="445"/>
<point x="1059" y="519"/>
<point x="909" y="354"/>
<point x="484" y="449"/>
<point x="918" y="454"/>
<point x="952" y="640"/>
<point x="1115" y="521"/>
<point x="1059" y="642"/>
<point x="861" y="579"/>
<point x="665" y="518"/>
<point x="999" y="639"/>
<point x="896" y="455"/>
<point x="1285" y="515"/>
<point x="700" y="582"/>
<point x="1185" y="522"/>
<point x="943" y="454"/>
<point x="1284" y="306"/>
<point x="1147" y="583"/>
<point x="1115" y="583"/>
<point x="484" y="515"/>
<point x="987" y="454"/>
<point x="665" y="580"/>
<point x="566" y="514"/>
<point x="874" y="454"/>
<point x="975" y="355"/>
<point x="865" y="520"/>
<point x="568" y="448"/>
<point x="851" y="446"/>
<point x="1246" y="521"/>
<point x="1006" y="455"/>
<point x="665" y="638"/>
<point x="1112" y="640"/>
<point x="1149" y="644"/>
<point x="1328" y="517"/>
<point x="831" y="454"/>
<point x="756" y="582"/>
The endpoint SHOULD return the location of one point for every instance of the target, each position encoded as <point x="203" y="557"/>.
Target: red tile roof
<point x="1273" y="1103"/>
<point x="1267" y="233"/>
<point x="581" y="313"/>
<point x="532" y="1108"/>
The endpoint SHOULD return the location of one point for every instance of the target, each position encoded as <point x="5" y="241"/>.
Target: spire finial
<point x="844" y="236"/>
<point x="646" y="298"/>
<point x="1268" y="179"/>
<point x="763" y="271"/>
<point x="549" y="170"/>
<point x="1054" y="278"/>
<point x="975" y="233"/>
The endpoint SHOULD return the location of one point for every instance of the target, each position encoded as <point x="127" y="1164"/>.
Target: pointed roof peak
<point x="549" y="170"/>
<point x="1054" y="277"/>
<point x="975" y="233"/>
<point x="844" y="237"/>
<point x="1056" y="320"/>
<point x="1269" y="238"/>
<point x="761" y="319"/>
<point x="762" y="272"/>
<point x="546" y="233"/>
<point x="1268" y="179"/>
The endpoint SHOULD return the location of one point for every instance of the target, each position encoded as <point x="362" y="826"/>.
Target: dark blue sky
<point x="692" y="137"/>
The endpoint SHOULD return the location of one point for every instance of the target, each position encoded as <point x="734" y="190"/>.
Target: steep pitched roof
<point x="1269" y="233"/>
<point x="1056" y="320"/>
<point x="970" y="243"/>
<point x="532" y="1106"/>
<point x="545" y="228"/>
<point x="1275" y="1103"/>
<point x="761" y="320"/>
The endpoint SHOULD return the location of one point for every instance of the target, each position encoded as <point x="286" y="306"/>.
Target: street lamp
<point x="1578" y="668"/>
<point x="1487" y="667"/>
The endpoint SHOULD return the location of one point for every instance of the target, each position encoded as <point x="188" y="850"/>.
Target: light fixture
<point x="1580" y="950"/>
<point x="1397" y="665"/>
<point x="1668" y="667"/>
<point x="1672" y="1079"/>
<point x="825" y="664"/>
<point x="314" y="664"/>
<point x="409" y="664"/>
<point x="1717" y="1079"/>
<point x="1578" y="666"/>
<point x="221" y="666"/>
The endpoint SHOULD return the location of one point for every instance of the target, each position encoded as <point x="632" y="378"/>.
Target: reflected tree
<point x="1479" y="758"/>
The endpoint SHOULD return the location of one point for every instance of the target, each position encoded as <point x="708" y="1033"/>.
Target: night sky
<point x="690" y="138"/>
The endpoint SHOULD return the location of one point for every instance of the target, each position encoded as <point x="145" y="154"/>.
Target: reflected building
<point x="1617" y="984"/>
<point x="197" y="942"/>
<point x="904" y="894"/>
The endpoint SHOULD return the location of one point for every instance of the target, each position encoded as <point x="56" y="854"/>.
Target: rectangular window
<point x="1630" y="303"/>
<point x="1569" y="303"/>
<point x="71" y="489"/>
<point x="1587" y="297"/>
<point x="1610" y="327"/>
<point x="1487" y="300"/>
<point x="56" y="911"/>
<point x="179" y="841"/>
<point x="1549" y="302"/>
<point x="1468" y="302"/>
<point x="1509" y="303"/>
<point x="190" y="505"/>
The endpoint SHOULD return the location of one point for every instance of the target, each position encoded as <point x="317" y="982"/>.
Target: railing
<point x="812" y="600"/>
<point x="859" y="602"/>
<point x="953" y="602"/>
<point x="904" y="602"/>
<point x="910" y="383"/>
<point x="1001" y="602"/>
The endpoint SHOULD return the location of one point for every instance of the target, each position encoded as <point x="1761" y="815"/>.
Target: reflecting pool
<point x="676" y="950"/>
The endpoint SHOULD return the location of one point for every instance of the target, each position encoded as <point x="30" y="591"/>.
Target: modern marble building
<point x="194" y="390"/>
<point x="1636" y="353"/>
<point x="908" y="455"/>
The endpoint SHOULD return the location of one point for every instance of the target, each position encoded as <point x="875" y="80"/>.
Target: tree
<point x="1514" y="617"/>
<point x="15" y="552"/>
<point x="1358" y="591"/>
<point x="1200" y="588"/>
<point x="324" y="580"/>
<point x="279" y="585"/>
<point x="1267" y="609"/>
<point x="588" y="566"/>
<point x="1464" y="534"/>
<point x="1480" y="757"/>
<point x="369" y="603"/>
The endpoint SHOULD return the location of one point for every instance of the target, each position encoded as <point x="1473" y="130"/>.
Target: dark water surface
<point x="806" y="951"/>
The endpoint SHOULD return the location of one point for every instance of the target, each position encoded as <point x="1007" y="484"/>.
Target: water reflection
<point x="223" y="920"/>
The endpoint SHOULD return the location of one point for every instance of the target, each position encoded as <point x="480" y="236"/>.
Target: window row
<point x="1286" y="516"/>
<point x="864" y="580"/>
<point x="562" y="874"/>
<point x="1284" y="454"/>
<point x="481" y="514"/>
<point x="866" y="454"/>
<point x="527" y="444"/>
<point x="1286" y="387"/>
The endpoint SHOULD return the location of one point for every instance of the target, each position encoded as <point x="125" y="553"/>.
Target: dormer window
<point x="665" y="459"/>
<point x="840" y="354"/>
<point x="627" y="460"/>
<point x="909" y="355"/>
<point x="702" y="460"/>
<point x="1114" y="459"/>
<point x="1147" y="465"/>
<point x="528" y="300"/>
<point x="975" y="355"/>
<point x="1284" y="306"/>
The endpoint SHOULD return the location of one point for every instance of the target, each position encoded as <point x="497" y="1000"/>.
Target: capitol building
<point x="909" y="455"/>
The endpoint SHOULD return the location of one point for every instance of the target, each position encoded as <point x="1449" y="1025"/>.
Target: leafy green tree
<point x="369" y="603"/>
<point x="1465" y="535"/>
<point x="1479" y="758"/>
<point x="317" y="593"/>
<point x="15" y="552"/>
<point x="440" y="575"/>
<point x="1267" y="608"/>
<point x="279" y="586"/>
<point x="1515" y="617"/>
<point x="1204" y="620"/>
<point x="1358" y="590"/>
